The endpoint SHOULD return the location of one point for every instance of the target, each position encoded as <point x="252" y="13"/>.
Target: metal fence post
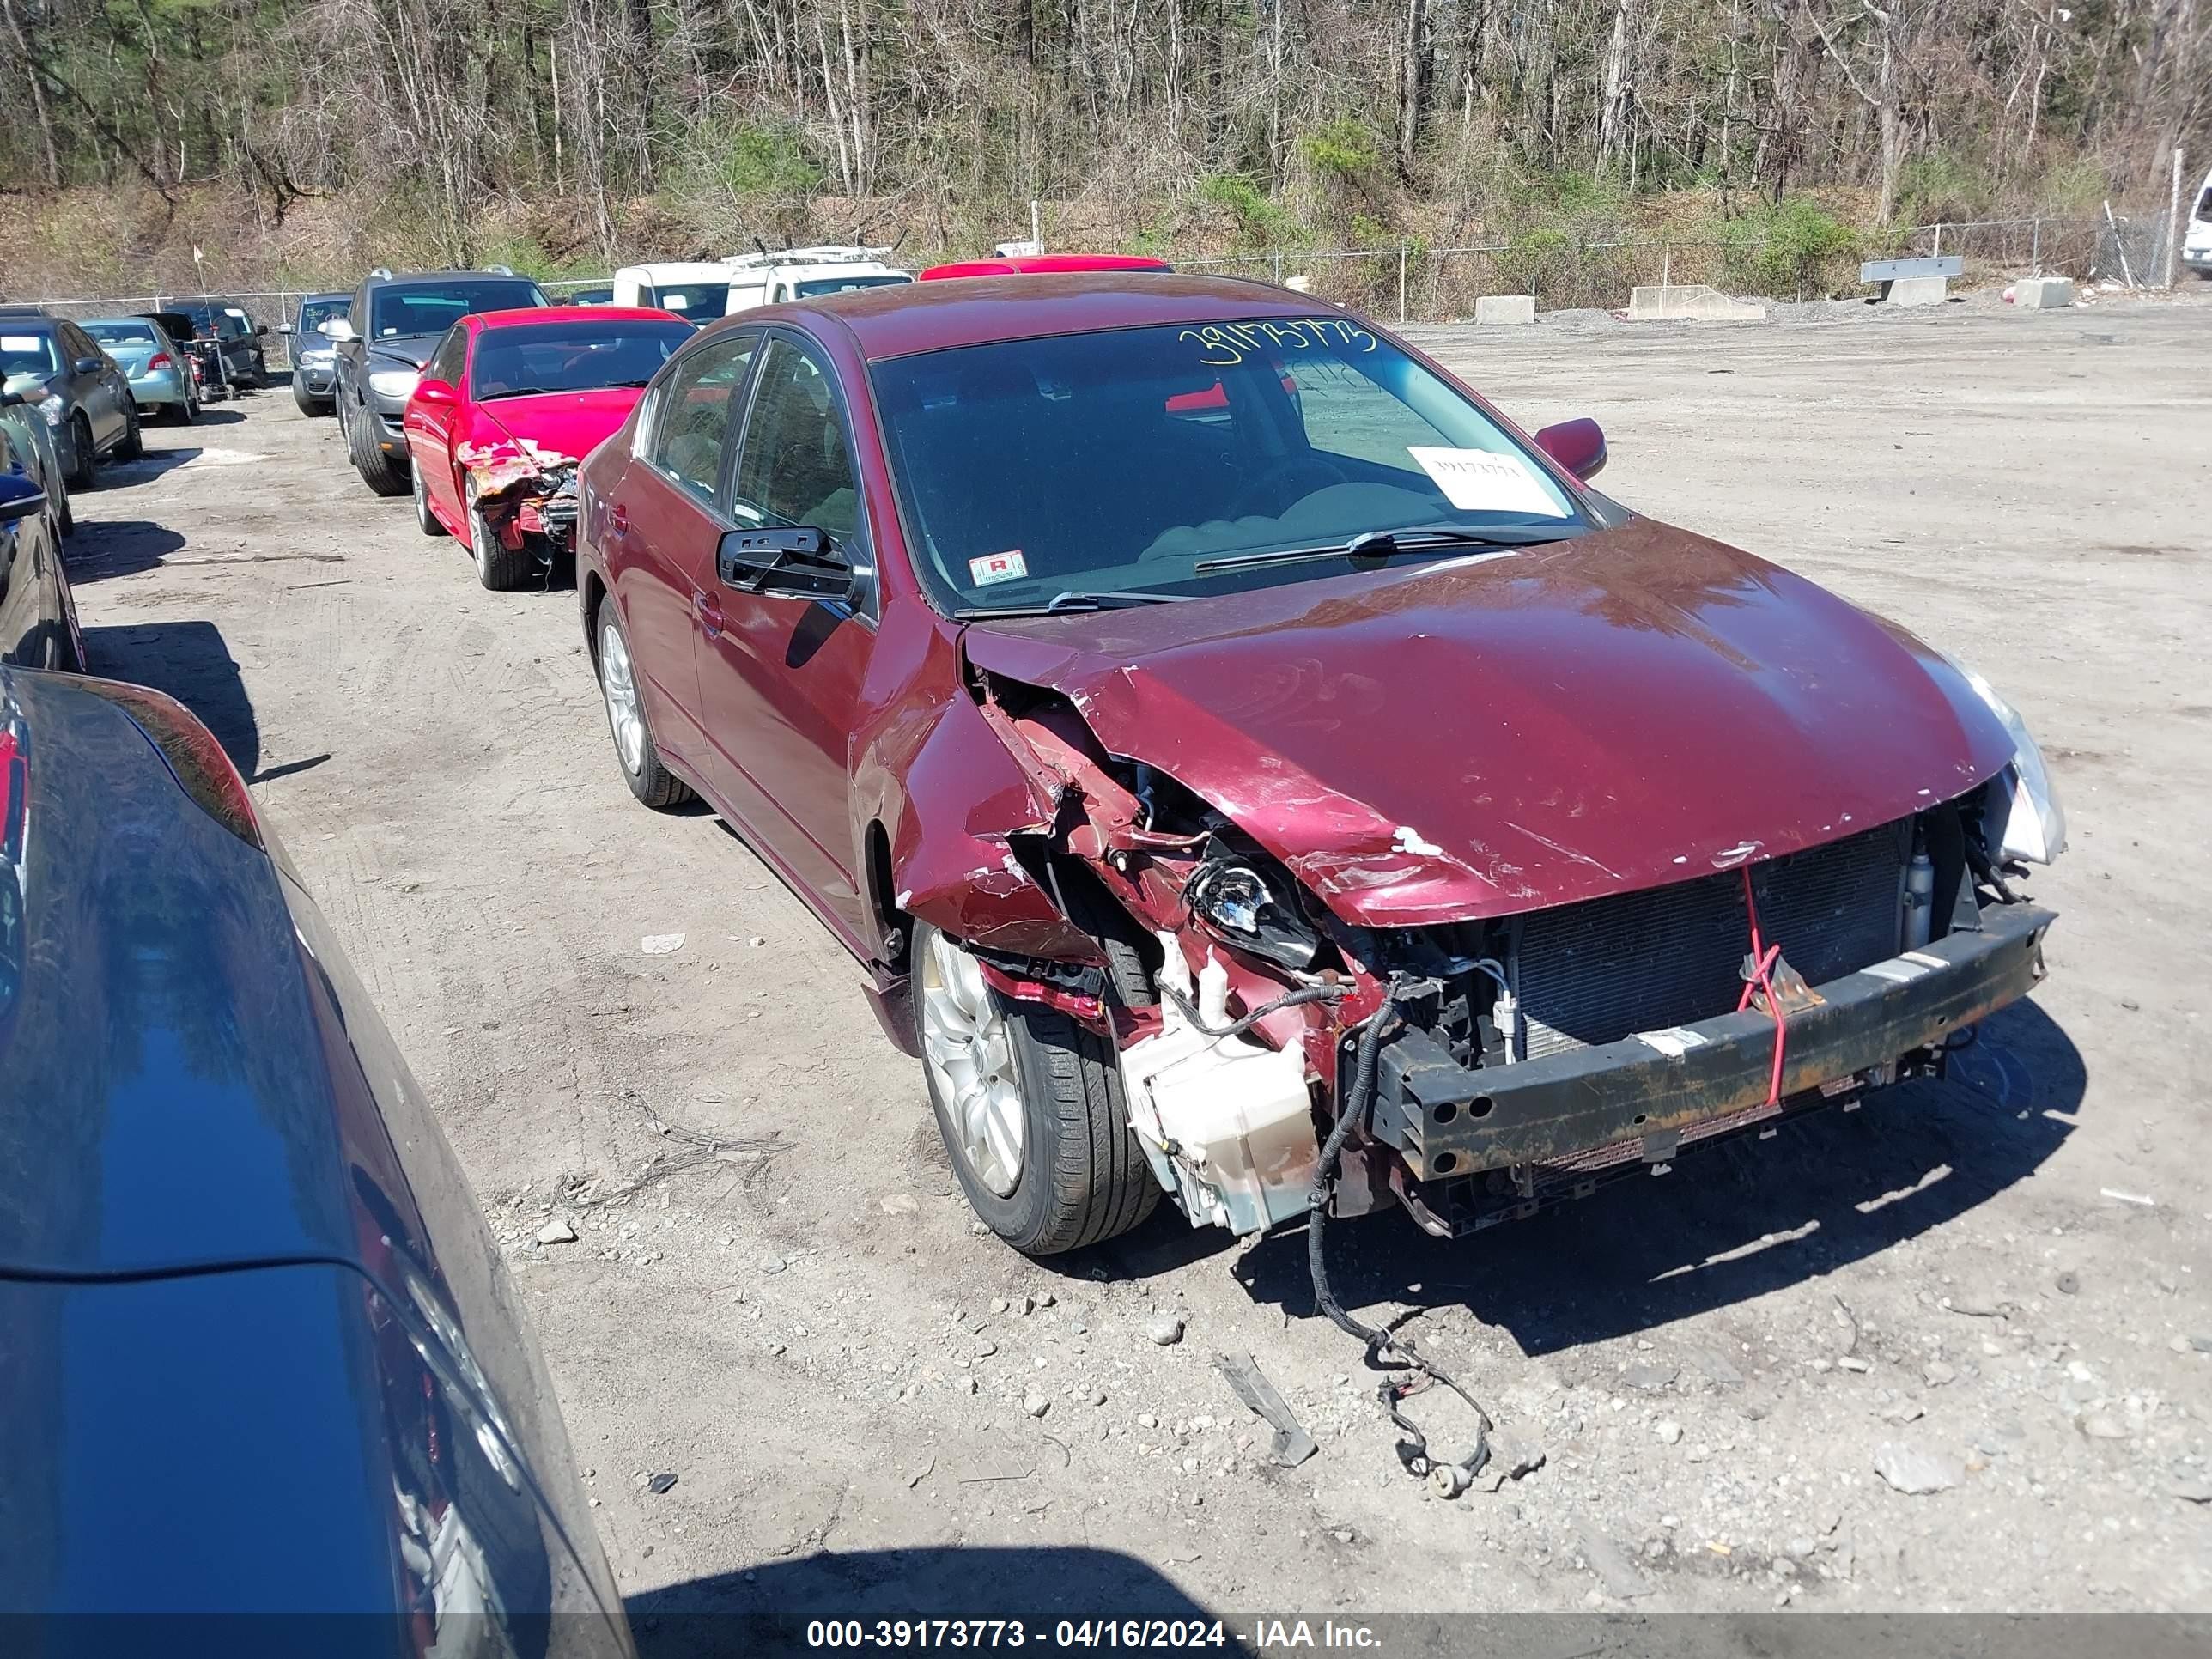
<point x="2173" y="231"/>
<point x="1402" y="251"/>
<point x="1938" y="251"/>
<point x="2035" y="247"/>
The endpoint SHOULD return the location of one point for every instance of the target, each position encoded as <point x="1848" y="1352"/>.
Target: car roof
<point x="1040" y="264"/>
<point x="167" y="1097"/>
<point x="679" y="269"/>
<point x="916" y="317"/>
<point x="518" y="315"/>
<point x="187" y="302"/>
<point x="406" y="278"/>
<point x="332" y="293"/>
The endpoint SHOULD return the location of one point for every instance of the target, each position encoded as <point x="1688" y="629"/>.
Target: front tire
<point x="1029" y="1103"/>
<point x="648" y="779"/>
<point x="425" y="519"/>
<point x="499" y="569"/>
<point x="309" y="406"/>
<point x="134" y="438"/>
<point x="383" y="475"/>
<point x="79" y="475"/>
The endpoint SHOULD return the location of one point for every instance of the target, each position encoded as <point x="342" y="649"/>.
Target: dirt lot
<point x="2001" y="1277"/>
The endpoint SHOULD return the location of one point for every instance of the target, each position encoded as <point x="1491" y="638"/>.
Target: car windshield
<point x="28" y="353"/>
<point x="399" y="313"/>
<point x="315" y="312"/>
<point x="109" y="334"/>
<point x="814" y="287"/>
<point x="572" y="356"/>
<point x="692" y="299"/>
<point x="1141" y="457"/>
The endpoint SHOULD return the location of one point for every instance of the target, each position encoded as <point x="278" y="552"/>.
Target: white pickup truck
<point x="701" y="291"/>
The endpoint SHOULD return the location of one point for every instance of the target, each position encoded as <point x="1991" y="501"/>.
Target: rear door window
<point x="695" y="403"/>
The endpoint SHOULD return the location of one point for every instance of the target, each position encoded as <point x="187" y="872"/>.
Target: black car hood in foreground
<point x="410" y="350"/>
<point x="257" y="1352"/>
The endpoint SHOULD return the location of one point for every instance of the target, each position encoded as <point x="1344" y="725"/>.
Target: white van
<point x="805" y="273"/>
<point x="698" y="292"/>
<point x="2197" y="250"/>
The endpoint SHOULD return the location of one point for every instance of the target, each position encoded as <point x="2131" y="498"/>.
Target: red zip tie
<point x="1763" y="957"/>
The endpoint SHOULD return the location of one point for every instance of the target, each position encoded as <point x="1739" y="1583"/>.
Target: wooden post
<point x="1401" y="284"/>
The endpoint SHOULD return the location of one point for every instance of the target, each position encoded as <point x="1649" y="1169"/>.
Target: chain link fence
<point x="1415" y="282"/>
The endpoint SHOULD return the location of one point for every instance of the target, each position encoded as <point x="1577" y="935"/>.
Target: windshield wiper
<point x="1074" y="599"/>
<point x="517" y="391"/>
<point x="1382" y="544"/>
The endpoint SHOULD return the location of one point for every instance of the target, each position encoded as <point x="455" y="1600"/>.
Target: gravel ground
<point x="1947" y="1351"/>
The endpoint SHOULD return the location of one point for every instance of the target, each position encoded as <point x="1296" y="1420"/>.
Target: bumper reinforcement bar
<point x="1449" y="1120"/>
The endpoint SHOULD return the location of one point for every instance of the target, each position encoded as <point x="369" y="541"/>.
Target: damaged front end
<point x="523" y="495"/>
<point x="1274" y="1055"/>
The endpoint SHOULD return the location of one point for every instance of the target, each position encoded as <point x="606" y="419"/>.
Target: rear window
<point x="572" y="356"/>
<point x="690" y="299"/>
<point x="815" y="288"/>
<point x="122" y="333"/>
<point x="315" y="312"/>
<point x="396" y="313"/>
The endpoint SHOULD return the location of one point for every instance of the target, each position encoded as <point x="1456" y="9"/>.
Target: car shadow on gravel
<point x="117" y="547"/>
<point x="192" y="663"/>
<point x="766" y="1609"/>
<point x="1729" y="1223"/>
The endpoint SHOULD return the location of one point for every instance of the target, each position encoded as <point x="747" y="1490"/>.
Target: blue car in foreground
<point x="259" y="1353"/>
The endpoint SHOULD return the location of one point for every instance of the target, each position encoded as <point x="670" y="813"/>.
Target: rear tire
<point x="1079" y="1176"/>
<point x="383" y="475"/>
<point x="648" y="779"/>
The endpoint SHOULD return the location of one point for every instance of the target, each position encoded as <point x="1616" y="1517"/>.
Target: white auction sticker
<point x="1006" y="567"/>
<point x="20" y="342"/>
<point x="1477" y="480"/>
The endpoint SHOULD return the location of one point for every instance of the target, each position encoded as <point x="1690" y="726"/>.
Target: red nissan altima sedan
<point x="1249" y="768"/>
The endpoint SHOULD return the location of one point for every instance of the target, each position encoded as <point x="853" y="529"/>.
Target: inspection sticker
<point x="1479" y="481"/>
<point x="20" y="342"/>
<point x="1006" y="567"/>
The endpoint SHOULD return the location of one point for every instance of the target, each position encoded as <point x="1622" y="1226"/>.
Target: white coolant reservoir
<point x="1227" y="1123"/>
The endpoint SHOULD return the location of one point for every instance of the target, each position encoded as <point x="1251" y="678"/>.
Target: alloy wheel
<point x="970" y="1056"/>
<point x="619" y="685"/>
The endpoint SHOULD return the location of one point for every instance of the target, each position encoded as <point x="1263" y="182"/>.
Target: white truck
<point x="698" y="291"/>
<point x="2196" y="247"/>
<point x="805" y="273"/>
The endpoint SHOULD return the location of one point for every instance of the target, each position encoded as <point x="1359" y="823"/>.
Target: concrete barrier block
<point x="2043" y="292"/>
<point x="1919" y="291"/>
<point x="1699" y="301"/>
<point x="1506" y="310"/>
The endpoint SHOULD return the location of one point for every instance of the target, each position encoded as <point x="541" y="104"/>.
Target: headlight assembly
<point x="394" y="382"/>
<point x="1239" y="905"/>
<point x="2024" y="819"/>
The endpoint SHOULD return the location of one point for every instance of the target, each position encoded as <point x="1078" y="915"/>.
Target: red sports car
<point x="1310" y="797"/>
<point x="508" y="405"/>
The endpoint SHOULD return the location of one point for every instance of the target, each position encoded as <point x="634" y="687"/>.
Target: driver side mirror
<point x="283" y="328"/>
<point x="436" y="392"/>
<point x="338" y="328"/>
<point x="89" y="365"/>
<point x="19" y="497"/>
<point x="798" y="563"/>
<point x="1577" y="446"/>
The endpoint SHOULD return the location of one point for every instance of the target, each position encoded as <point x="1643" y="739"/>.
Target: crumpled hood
<point x="564" y="423"/>
<point x="1513" y="731"/>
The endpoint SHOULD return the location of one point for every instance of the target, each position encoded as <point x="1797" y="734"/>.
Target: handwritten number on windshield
<point x="1224" y="345"/>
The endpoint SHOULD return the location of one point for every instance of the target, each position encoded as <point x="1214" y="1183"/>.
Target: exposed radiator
<point x="1595" y="973"/>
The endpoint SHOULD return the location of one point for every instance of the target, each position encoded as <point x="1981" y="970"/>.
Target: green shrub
<point x="1260" y="218"/>
<point x="1342" y="149"/>
<point x="767" y="159"/>
<point x="1940" y="186"/>
<point x="1789" y="251"/>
